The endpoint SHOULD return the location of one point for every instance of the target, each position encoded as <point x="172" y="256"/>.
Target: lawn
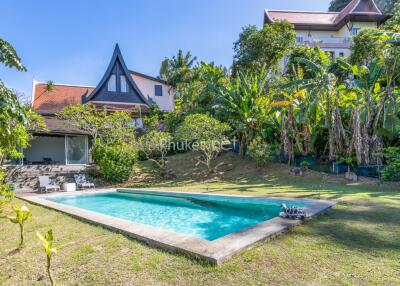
<point x="358" y="242"/>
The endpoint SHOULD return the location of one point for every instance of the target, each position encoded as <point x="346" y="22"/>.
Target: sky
<point x="72" y="41"/>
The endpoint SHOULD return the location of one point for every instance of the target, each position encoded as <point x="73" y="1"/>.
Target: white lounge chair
<point x="46" y="184"/>
<point x="292" y="212"/>
<point x="82" y="182"/>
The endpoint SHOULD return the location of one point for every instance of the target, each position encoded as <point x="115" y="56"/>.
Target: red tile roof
<point x="63" y="95"/>
<point x="45" y="102"/>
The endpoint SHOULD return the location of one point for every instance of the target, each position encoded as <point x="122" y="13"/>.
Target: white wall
<point x="343" y="32"/>
<point x="329" y="36"/>
<point x="146" y="86"/>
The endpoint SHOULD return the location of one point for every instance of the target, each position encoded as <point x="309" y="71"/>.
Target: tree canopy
<point x="256" y="49"/>
<point x="15" y="119"/>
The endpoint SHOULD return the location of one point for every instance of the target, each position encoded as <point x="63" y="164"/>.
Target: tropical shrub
<point x="206" y="134"/>
<point x="391" y="171"/>
<point x="348" y="161"/>
<point x="305" y="165"/>
<point x="314" y="54"/>
<point x="104" y="127"/>
<point x="154" y="146"/>
<point x="154" y="120"/>
<point x="47" y="243"/>
<point x="366" y="47"/>
<point x="246" y="106"/>
<point x="22" y="215"/>
<point x="259" y="152"/>
<point x="115" y="161"/>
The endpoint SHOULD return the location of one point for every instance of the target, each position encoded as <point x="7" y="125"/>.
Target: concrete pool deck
<point x="215" y="252"/>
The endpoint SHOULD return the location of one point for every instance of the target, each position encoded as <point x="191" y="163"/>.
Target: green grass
<point x="358" y="242"/>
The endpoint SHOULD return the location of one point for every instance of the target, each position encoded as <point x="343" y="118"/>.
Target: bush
<point x="305" y="164"/>
<point x="115" y="161"/>
<point x="259" y="152"/>
<point x="391" y="171"/>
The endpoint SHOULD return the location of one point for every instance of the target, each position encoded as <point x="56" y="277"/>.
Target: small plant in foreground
<point x="22" y="214"/>
<point x="6" y="196"/>
<point x="47" y="243"/>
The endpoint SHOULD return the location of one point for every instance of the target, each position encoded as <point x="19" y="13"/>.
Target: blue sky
<point x="72" y="41"/>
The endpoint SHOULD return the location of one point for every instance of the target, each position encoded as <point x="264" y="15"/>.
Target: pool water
<point x="204" y="216"/>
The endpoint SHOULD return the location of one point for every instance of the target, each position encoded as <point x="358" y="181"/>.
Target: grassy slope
<point x="356" y="243"/>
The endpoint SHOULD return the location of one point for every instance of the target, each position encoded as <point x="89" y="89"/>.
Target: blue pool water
<point x="203" y="216"/>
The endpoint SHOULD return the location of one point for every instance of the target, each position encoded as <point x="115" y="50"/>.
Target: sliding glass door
<point x="76" y="150"/>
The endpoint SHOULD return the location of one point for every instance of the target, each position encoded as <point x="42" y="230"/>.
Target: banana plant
<point x="245" y="105"/>
<point x="22" y="214"/>
<point x="323" y="85"/>
<point x="47" y="244"/>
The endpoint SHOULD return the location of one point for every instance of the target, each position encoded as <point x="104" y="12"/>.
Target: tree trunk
<point x="329" y="126"/>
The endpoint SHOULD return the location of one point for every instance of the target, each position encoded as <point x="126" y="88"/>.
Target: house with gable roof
<point x="120" y="89"/>
<point x="331" y="31"/>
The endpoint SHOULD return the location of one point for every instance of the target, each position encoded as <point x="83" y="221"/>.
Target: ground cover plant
<point x="355" y="243"/>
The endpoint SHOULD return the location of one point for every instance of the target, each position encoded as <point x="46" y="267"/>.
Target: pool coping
<point x="215" y="252"/>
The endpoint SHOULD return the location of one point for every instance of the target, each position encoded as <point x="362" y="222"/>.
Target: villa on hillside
<point x="331" y="31"/>
<point x="119" y="89"/>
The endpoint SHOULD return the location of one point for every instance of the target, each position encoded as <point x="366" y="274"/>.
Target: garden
<point x="315" y="127"/>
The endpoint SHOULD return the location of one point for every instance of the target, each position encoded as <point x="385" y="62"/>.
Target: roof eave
<point x="267" y="18"/>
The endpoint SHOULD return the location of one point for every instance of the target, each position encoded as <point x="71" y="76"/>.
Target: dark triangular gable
<point x="101" y="94"/>
<point x="366" y="6"/>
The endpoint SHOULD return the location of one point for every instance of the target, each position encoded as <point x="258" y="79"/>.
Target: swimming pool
<point x="203" y="216"/>
<point x="212" y="227"/>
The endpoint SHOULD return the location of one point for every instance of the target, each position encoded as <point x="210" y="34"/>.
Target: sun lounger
<point x="82" y="182"/>
<point x="46" y="184"/>
<point x="292" y="212"/>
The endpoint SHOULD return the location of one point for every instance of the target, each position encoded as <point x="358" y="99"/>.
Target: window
<point x="354" y="31"/>
<point x="158" y="90"/>
<point x="341" y="54"/>
<point x="299" y="39"/>
<point x="124" y="85"/>
<point x="112" y="83"/>
<point x="77" y="150"/>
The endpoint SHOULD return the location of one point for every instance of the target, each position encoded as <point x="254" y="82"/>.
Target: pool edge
<point x="215" y="252"/>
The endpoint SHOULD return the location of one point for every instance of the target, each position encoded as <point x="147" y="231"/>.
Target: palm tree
<point x="176" y="69"/>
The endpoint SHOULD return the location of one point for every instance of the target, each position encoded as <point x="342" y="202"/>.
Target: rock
<point x="225" y="167"/>
<point x="351" y="176"/>
<point x="298" y="171"/>
<point x="168" y="174"/>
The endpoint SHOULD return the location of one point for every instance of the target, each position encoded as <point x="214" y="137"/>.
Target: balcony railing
<point x="316" y="41"/>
